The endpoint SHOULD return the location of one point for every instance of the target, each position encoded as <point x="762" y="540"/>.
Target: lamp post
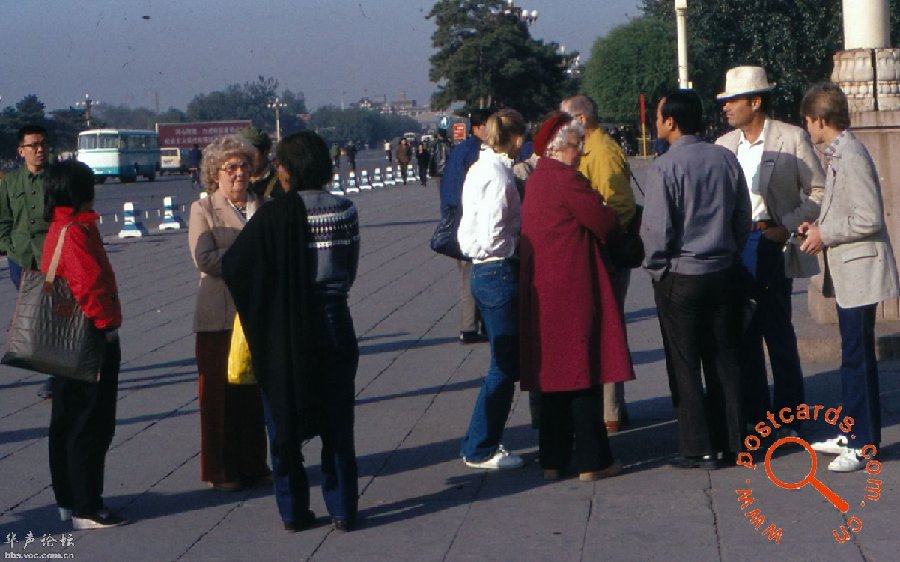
<point x="526" y="17"/>
<point x="86" y="104"/>
<point x="277" y="105"/>
<point x="681" y="19"/>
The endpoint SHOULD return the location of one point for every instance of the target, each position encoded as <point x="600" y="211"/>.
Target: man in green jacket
<point x="22" y="224"/>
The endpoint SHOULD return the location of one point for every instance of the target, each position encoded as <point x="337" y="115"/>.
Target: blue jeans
<point x="336" y="359"/>
<point x="859" y="373"/>
<point x="495" y="287"/>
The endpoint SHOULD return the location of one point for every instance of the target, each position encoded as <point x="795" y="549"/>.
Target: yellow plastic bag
<point x="240" y="370"/>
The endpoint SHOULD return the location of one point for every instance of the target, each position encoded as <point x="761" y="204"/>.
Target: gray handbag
<point x="49" y="332"/>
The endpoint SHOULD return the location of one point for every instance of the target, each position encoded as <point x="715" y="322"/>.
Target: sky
<point x="135" y="52"/>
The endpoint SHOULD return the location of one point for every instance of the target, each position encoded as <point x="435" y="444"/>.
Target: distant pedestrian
<point x="351" y="155"/>
<point x="440" y="151"/>
<point x="83" y="419"/>
<point x="696" y="217"/>
<point x="302" y="341"/>
<point x="489" y="234"/>
<point x="336" y="156"/>
<point x="195" y="157"/>
<point x="388" y="153"/>
<point x="422" y="162"/>
<point x="861" y="270"/>
<point x="22" y="224"/>
<point x="404" y="157"/>
<point x="572" y="328"/>
<point x="232" y="432"/>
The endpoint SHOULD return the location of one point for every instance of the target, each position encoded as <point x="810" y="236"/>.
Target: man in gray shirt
<point x="696" y="220"/>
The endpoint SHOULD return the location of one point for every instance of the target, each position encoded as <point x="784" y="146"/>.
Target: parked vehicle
<point x="120" y="153"/>
<point x="173" y="160"/>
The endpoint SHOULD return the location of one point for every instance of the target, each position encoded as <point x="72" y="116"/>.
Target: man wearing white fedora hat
<point x="786" y="184"/>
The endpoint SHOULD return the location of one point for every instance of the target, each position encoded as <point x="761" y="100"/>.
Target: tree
<point x="250" y="101"/>
<point x="632" y="59"/>
<point x="487" y="58"/>
<point x="794" y="41"/>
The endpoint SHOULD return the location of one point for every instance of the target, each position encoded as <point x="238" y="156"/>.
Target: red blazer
<point x="572" y="330"/>
<point x="85" y="266"/>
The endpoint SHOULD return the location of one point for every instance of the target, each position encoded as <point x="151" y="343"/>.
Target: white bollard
<point x="351" y="183"/>
<point x="388" y="176"/>
<point x="398" y="175"/>
<point x="376" y="179"/>
<point x="364" y="181"/>
<point x="171" y="219"/>
<point x="336" y="185"/>
<point x="131" y="222"/>
<point x="410" y="174"/>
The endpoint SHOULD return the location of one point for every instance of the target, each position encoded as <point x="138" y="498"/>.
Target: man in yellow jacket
<point x="605" y="166"/>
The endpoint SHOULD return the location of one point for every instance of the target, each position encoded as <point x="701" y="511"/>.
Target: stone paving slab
<point x="415" y="389"/>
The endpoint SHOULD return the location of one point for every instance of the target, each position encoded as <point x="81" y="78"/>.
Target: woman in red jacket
<point x="572" y="331"/>
<point x="83" y="418"/>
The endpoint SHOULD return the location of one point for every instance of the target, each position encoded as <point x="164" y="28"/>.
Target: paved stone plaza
<point x="415" y="389"/>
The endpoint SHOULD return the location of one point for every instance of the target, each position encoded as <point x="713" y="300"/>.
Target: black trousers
<point x="698" y="317"/>
<point x="82" y="425"/>
<point x="772" y="324"/>
<point x="573" y="418"/>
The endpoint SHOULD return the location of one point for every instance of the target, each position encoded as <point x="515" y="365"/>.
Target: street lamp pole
<point x="681" y="19"/>
<point x="277" y="105"/>
<point x="86" y="104"/>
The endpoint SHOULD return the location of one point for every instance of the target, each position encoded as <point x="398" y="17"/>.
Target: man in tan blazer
<point x="860" y="270"/>
<point x="786" y="183"/>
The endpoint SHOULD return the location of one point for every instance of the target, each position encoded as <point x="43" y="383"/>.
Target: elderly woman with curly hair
<point x="232" y="430"/>
<point x="572" y="330"/>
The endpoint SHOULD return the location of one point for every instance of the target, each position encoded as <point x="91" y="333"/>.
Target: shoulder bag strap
<point x="54" y="262"/>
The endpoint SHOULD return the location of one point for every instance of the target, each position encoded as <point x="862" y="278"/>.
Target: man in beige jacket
<point x="861" y="270"/>
<point x="786" y="183"/>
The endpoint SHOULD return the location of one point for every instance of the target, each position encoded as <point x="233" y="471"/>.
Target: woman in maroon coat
<point x="572" y="331"/>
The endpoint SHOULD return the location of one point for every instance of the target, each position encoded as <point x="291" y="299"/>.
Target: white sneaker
<point x="501" y="460"/>
<point x="848" y="461"/>
<point x="834" y="446"/>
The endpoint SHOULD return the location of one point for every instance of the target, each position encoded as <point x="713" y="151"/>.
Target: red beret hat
<point x="556" y="121"/>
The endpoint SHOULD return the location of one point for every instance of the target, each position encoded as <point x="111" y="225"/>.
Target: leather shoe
<point x="225" y="486"/>
<point x="466" y="338"/>
<point x="343" y="525"/>
<point x="705" y="462"/>
<point x="307" y="521"/>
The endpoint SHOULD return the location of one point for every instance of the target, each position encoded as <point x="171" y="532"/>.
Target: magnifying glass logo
<point x="837" y="501"/>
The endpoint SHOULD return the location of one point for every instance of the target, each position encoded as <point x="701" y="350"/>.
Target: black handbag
<point x="49" y="332"/>
<point x="444" y="241"/>
<point x="625" y="247"/>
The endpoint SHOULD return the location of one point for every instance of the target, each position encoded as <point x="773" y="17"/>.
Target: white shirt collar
<point x="760" y="140"/>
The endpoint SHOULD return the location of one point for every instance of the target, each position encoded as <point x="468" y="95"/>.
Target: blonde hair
<point x="501" y="128"/>
<point x="217" y="152"/>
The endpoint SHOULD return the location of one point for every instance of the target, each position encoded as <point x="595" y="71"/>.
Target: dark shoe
<point x="308" y="521"/>
<point x="613" y="469"/>
<point x="343" y="525"/>
<point x="258" y="481"/>
<point x="103" y="519"/>
<point x="552" y="474"/>
<point x="46" y="390"/>
<point x="706" y="462"/>
<point x="465" y="338"/>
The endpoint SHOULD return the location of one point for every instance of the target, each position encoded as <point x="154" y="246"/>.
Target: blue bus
<point x="120" y="153"/>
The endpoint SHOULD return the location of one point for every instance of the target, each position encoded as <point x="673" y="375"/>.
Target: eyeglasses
<point x="35" y="145"/>
<point x="231" y="168"/>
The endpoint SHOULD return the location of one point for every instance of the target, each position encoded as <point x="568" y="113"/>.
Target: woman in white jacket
<point x="489" y="234"/>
